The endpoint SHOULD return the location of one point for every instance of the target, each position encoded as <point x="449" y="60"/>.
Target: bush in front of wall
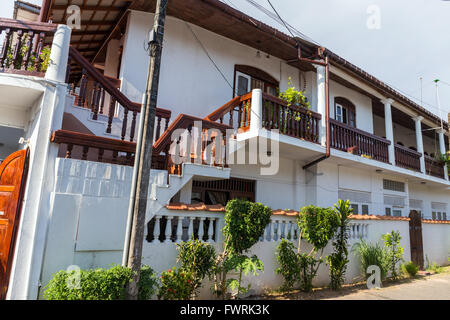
<point x="289" y="264"/>
<point x="395" y="251"/>
<point x="245" y="222"/>
<point x="176" y="284"/>
<point x="338" y="260"/>
<point x="98" y="284"/>
<point x="372" y="254"/>
<point x="318" y="226"/>
<point x="410" y="268"/>
<point x="198" y="259"/>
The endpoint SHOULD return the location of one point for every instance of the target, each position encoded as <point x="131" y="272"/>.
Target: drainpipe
<point x="321" y="52"/>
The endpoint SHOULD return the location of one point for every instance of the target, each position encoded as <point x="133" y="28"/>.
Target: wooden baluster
<point x="112" y="107"/>
<point x="114" y="158"/>
<point x="156" y="229"/>
<point x="211" y="230"/>
<point x="5" y="47"/>
<point x="133" y="126"/>
<point x="168" y="230"/>
<point x="100" y="154"/>
<point x="94" y="104"/>
<point x="158" y="128"/>
<point x="191" y="228"/>
<point x="179" y="234"/>
<point x="201" y="230"/>
<point x="85" y="153"/>
<point x="166" y="125"/>
<point x="38" y="49"/>
<point x="83" y="83"/>
<point x="17" y="48"/>
<point x="124" y="123"/>
<point x="102" y="103"/>
<point x="231" y="118"/>
<point x="28" y="47"/>
<point x="69" y="151"/>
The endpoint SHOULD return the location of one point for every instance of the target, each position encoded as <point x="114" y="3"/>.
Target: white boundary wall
<point x="88" y="218"/>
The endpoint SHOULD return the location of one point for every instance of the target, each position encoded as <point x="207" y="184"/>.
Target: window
<point x="355" y="208"/>
<point x="393" y="185"/>
<point x="248" y="78"/>
<point x="444" y="216"/>
<point x="365" y="209"/>
<point x="433" y="215"/>
<point x="387" y="211"/>
<point x="221" y="191"/>
<point x="397" y="213"/>
<point x="345" y="111"/>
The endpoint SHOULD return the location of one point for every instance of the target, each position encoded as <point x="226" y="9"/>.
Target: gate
<point x="13" y="172"/>
<point x="415" y="237"/>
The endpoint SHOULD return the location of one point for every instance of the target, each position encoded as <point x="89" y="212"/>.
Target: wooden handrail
<point x="227" y="107"/>
<point x="100" y="78"/>
<point x="183" y="121"/>
<point x="408" y="150"/>
<point x="361" y="132"/>
<point x="13" y="24"/>
<point x="303" y="109"/>
<point x="89" y="140"/>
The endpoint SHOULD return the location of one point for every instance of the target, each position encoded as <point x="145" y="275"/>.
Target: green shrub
<point x="176" y="284"/>
<point x="245" y="223"/>
<point x="372" y="254"/>
<point x="435" y="268"/>
<point x="395" y="251"/>
<point x="198" y="259"/>
<point x="318" y="226"/>
<point x="410" y="268"/>
<point x="98" y="284"/>
<point x="289" y="264"/>
<point x="338" y="260"/>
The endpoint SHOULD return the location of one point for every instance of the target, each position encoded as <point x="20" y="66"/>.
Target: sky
<point x="397" y="41"/>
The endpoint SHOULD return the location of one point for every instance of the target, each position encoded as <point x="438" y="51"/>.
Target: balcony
<point x="250" y="112"/>
<point x="359" y="142"/>
<point x="407" y="158"/>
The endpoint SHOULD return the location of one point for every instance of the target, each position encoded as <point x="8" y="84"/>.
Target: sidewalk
<point x="435" y="287"/>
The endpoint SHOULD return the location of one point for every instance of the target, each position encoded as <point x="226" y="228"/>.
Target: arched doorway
<point x="415" y="237"/>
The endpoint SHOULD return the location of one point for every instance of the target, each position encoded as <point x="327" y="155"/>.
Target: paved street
<point x="436" y="287"/>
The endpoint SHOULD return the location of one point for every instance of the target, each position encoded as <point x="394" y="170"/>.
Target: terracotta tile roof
<point x="436" y="221"/>
<point x="374" y="217"/>
<point x="289" y="213"/>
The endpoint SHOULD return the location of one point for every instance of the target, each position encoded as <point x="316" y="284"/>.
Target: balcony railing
<point x="434" y="167"/>
<point x="23" y="50"/>
<point x="407" y="158"/>
<point x="346" y="138"/>
<point x="291" y="120"/>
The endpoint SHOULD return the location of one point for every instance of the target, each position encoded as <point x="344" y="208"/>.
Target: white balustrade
<point x="189" y="225"/>
<point x="358" y="230"/>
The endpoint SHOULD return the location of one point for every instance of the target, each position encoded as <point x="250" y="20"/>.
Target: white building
<point x="79" y="124"/>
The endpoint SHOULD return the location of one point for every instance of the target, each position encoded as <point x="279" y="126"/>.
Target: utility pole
<point x="143" y="158"/>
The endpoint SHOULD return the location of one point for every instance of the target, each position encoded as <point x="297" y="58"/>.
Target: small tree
<point x="338" y="260"/>
<point x="318" y="226"/>
<point x="198" y="259"/>
<point x="395" y="254"/>
<point x="245" y="223"/>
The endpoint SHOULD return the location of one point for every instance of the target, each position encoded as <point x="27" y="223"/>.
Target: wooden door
<point x="415" y="237"/>
<point x="12" y="180"/>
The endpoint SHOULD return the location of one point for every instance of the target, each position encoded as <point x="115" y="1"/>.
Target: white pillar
<point x="419" y="141"/>
<point x="441" y="133"/>
<point x="321" y="104"/>
<point x="389" y="128"/>
<point x="256" y="111"/>
<point x="59" y="54"/>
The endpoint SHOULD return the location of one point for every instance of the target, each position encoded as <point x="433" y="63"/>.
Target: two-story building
<point x="356" y="139"/>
